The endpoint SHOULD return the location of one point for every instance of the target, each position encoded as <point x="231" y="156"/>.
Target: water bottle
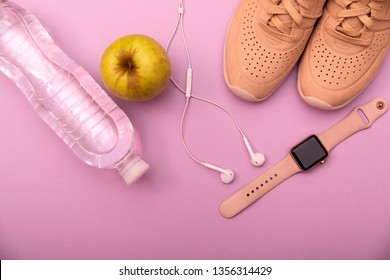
<point x="65" y="96"/>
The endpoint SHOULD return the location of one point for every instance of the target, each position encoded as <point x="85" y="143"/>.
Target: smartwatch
<point x="305" y="156"/>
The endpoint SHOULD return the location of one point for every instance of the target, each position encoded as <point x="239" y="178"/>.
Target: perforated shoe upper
<point x="264" y="41"/>
<point x="345" y="52"/>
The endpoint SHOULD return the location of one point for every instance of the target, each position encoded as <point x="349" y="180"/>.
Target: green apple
<point x="135" y="68"/>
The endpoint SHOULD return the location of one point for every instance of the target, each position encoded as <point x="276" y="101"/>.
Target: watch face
<point x="309" y="152"/>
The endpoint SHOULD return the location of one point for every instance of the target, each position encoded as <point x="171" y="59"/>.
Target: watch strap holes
<point x="261" y="185"/>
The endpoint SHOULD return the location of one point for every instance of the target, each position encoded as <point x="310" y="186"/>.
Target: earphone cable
<point x="188" y="91"/>
<point x="179" y="22"/>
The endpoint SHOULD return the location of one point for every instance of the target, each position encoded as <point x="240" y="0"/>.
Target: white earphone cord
<point x="188" y="91"/>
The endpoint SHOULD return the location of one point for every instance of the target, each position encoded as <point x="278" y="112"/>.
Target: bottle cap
<point x="134" y="170"/>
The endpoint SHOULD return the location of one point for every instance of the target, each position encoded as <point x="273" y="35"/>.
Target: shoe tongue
<point x="354" y="22"/>
<point x="286" y="18"/>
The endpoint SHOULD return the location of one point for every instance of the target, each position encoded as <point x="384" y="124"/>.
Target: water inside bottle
<point x="64" y="94"/>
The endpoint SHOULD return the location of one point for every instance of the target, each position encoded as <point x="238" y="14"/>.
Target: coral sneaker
<point x="345" y="52"/>
<point x="264" y="41"/>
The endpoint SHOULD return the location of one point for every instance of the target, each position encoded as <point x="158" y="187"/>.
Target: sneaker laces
<point x="284" y="14"/>
<point x="356" y="19"/>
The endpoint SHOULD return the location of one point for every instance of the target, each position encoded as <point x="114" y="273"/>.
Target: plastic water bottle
<point x="65" y="95"/>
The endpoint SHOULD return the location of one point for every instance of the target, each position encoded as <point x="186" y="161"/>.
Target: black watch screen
<point x="309" y="152"/>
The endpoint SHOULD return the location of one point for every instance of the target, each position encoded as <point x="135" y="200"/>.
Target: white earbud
<point x="257" y="159"/>
<point x="227" y="175"/>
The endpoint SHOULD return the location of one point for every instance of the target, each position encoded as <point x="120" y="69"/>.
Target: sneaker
<point x="345" y="52"/>
<point x="264" y="41"/>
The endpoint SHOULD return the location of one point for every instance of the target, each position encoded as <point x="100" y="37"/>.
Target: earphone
<point x="227" y="175"/>
<point x="257" y="159"/>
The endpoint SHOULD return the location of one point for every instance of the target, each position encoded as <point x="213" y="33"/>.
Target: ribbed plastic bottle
<point x="66" y="96"/>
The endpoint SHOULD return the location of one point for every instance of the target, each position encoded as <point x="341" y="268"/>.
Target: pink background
<point x="53" y="206"/>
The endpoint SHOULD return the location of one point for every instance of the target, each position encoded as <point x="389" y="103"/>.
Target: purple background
<point x="53" y="206"/>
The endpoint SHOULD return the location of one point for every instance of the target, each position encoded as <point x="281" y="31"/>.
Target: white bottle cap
<point x="134" y="170"/>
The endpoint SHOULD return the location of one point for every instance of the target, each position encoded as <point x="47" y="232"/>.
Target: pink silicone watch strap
<point x="354" y="122"/>
<point x="259" y="187"/>
<point x="360" y="118"/>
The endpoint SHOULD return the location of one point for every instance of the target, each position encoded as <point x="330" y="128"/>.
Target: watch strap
<point x="360" y="118"/>
<point x="259" y="187"/>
